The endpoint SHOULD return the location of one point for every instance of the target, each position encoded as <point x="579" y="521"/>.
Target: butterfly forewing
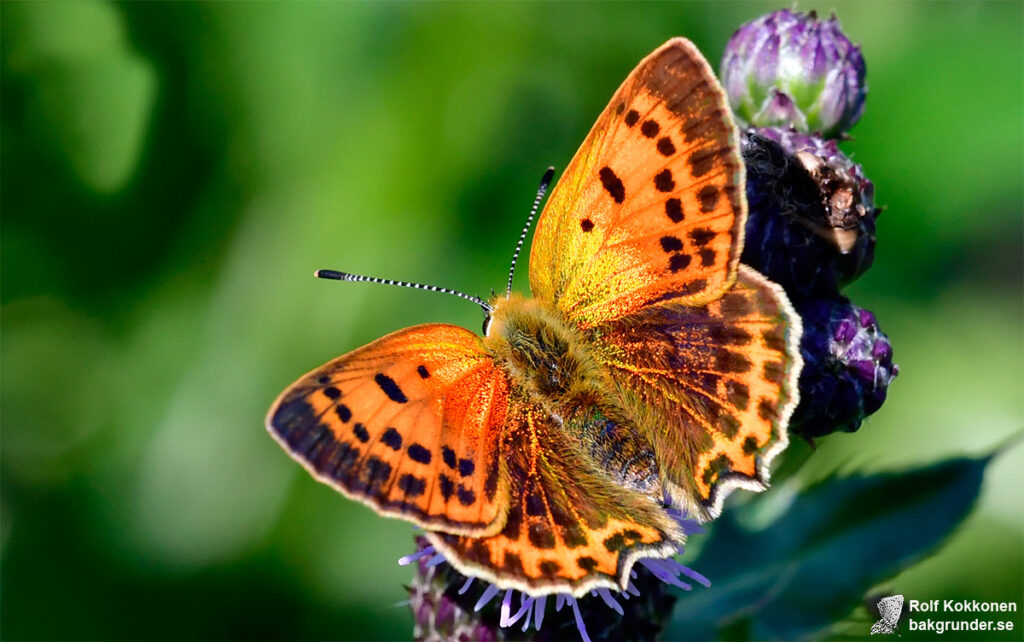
<point x="569" y="527"/>
<point x="652" y="206"/>
<point x="409" y="424"/>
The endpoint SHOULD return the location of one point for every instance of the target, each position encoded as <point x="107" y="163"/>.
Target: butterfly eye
<point x="487" y="324"/>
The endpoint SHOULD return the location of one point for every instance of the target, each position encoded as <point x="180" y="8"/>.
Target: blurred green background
<point x="173" y="173"/>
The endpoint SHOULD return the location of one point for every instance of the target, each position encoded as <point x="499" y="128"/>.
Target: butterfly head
<point x="543" y="352"/>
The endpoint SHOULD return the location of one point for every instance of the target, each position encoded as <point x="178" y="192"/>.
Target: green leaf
<point x="812" y="566"/>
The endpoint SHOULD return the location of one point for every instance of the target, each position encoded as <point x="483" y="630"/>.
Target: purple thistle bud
<point x="811" y="222"/>
<point x="791" y="69"/>
<point x="847" y="368"/>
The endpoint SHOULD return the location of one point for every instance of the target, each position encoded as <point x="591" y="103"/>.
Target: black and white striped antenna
<point x="545" y="182"/>
<point x="334" y="275"/>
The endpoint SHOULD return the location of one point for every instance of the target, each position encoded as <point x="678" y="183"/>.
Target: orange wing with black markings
<point x="651" y="207"/>
<point x="720" y="381"/>
<point x="409" y="424"/>
<point x="570" y="528"/>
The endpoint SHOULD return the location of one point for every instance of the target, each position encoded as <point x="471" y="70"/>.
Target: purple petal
<point x="435" y="560"/>
<point x="664" y="574"/>
<point x="506" y="608"/>
<point x="559" y="602"/>
<point x="882" y="350"/>
<point x="524" y="611"/>
<point x="606" y="595"/>
<point x="491" y="591"/>
<point x="412" y="557"/>
<point x="695" y="576"/>
<point x="580" y="626"/>
<point x="845" y="332"/>
<point x="538" y="611"/>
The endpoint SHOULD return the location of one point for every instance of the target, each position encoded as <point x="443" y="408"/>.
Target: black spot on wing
<point x="572" y="533"/>
<point x="707" y="257"/>
<point x="671" y="244"/>
<point x="738" y="394"/>
<point x="343" y="413"/>
<point x="491" y="483"/>
<point x="615" y="543"/>
<point x="373" y="475"/>
<point x="586" y="563"/>
<point x="513" y="564"/>
<point x="632" y="117"/>
<point x="390" y="388"/>
<point x="727" y="361"/>
<point x="331" y="392"/>
<point x="716" y="468"/>
<point x="392" y="438"/>
<point x="693" y="287"/>
<point x="466" y="467"/>
<point x="412" y="485"/>
<point x="679" y="262"/>
<point x="359" y="430"/>
<point x="773" y="372"/>
<point x="550" y="568"/>
<point x="750" y="445"/>
<point x="708" y="197"/>
<point x="702" y="161"/>
<point x="419" y="454"/>
<point x="423" y="372"/>
<point x="650" y="128"/>
<point x="448" y="455"/>
<point x="586" y="225"/>
<point x="513" y="523"/>
<point x="728" y="425"/>
<point x="534" y="505"/>
<point x="612" y="184"/>
<point x="447" y="486"/>
<point x="346" y="459"/>
<point x="736" y="305"/>
<point x="663" y="181"/>
<point x="665" y="146"/>
<point x="674" y="209"/>
<point x="466" y="496"/>
<point x="701" y="236"/>
<point x="541" y="536"/>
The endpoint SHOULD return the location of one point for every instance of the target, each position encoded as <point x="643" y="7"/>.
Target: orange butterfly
<point x="649" y="370"/>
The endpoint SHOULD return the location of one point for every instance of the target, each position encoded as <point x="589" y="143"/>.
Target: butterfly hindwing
<point x="720" y="382"/>
<point x="409" y="424"/>
<point x="569" y="527"/>
<point x="651" y="207"/>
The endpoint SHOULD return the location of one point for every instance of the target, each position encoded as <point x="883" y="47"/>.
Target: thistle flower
<point x="449" y="606"/>
<point x="790" y="69"/>
<point x="811" y="222"/>
<point x="847" y="368"/>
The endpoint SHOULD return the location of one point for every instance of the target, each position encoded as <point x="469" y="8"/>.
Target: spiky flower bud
<point x="847" y="368"/>
<point x="438" y="613"/>
<point x="811" y="222"/>
<point x="791" y="69"/>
